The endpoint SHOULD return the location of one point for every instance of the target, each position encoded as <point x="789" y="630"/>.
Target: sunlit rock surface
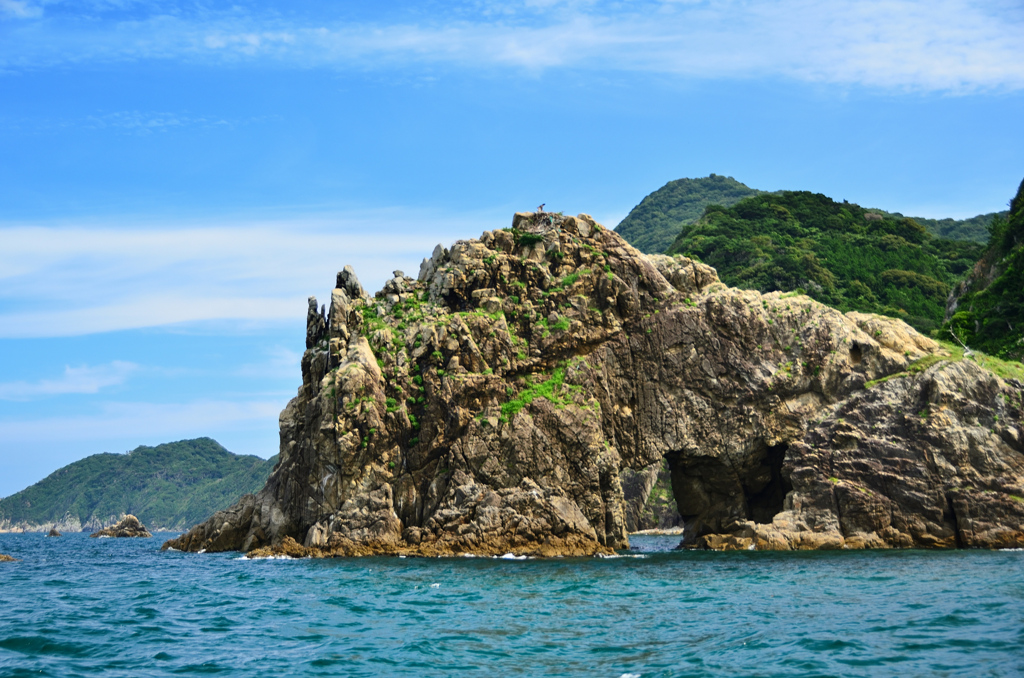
<point x="509" y="398"/>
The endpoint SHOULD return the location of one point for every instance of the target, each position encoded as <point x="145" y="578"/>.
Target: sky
<point x="176" y="178"/>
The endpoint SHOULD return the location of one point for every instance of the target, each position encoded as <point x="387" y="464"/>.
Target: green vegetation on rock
<point x="987" y="310"/>
<point x="170" y="486"/>
<point x="837" y="253"/>
<point x="652" y="225"/>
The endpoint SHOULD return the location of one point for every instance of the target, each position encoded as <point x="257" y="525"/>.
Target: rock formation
<point x="129" y="526"/>
<point x="507" y="399"/>
<point x="54" y="533"/>
<point x="6" y="559"/>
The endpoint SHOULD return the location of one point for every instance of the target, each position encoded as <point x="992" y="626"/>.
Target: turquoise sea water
<point x="76" y="606"/>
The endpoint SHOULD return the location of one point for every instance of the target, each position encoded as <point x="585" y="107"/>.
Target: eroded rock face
<point x="500" y="402"/>
<point x="129" y="526"/>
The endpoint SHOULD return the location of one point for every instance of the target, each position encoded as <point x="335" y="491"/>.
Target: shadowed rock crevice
<point x="714" y="496"/>
<point x="765" y="489"/>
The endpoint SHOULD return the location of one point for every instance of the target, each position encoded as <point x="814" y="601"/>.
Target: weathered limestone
<point x="519" y="394"/>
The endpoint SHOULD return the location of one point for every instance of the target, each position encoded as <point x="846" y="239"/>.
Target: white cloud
<point x="68" y="280"/>
<point x="83" y="379"/>
<point x="944" y="45"/>
<point x="19" y="10"/>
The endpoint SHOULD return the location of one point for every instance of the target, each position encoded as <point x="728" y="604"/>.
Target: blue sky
<point x="178" y="177"/>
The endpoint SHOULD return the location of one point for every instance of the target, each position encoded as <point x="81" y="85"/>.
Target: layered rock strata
<point x="508" y="399"/>
<point x="129" y="526"/>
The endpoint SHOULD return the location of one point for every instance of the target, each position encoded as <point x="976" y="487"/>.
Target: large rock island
<point x="496" y="403"/>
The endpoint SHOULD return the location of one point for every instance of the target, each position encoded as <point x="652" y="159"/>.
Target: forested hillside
<point x="987" y="310"/>
<point x="170" y="486"/>
<point x="838" y="253"/>
<point x="652" y="225"/>
<point x="975" y="229"/>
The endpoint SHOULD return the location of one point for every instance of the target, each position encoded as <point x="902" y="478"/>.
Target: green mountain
<point x="170" y="486"/>
<point x="652" y="225"/>
<point x="838" y="253"/>
<point x="987" y="308"/>
<point x="658" y="220"/>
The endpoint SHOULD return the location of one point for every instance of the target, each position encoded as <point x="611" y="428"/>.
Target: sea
<point x="75" y="606"/>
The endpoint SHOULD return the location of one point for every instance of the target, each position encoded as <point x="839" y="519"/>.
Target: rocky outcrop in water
<point x="54" y="533"/>
<point x="129" y="526"/>
<point x="6" y="559"/>
<point x="508" y="399"/>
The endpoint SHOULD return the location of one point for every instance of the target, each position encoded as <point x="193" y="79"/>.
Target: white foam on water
<point x="621" y="555"/>
<point x="630" y="675"/>
<point x="512" y="556"/>
<point x="435" y="586"/>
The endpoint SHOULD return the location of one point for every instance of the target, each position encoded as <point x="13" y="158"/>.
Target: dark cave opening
<point x="765" y="490"/>
<point x="856" y="355"/>
<point x="714" y="495"/>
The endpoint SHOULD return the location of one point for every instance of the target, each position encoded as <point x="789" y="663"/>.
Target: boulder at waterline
<point x="129" y="526"/>
<point x="494" y="404"/>
<point x="54" y="533"/>
<point x="6" y="559"/>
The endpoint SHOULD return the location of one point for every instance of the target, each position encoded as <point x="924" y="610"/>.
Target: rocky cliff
<point x="508" y="399"/>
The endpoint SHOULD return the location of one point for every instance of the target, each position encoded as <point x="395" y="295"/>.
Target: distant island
<point x="169" y="487"/>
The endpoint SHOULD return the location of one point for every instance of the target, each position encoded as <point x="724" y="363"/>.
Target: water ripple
<point x="80" y="607"/>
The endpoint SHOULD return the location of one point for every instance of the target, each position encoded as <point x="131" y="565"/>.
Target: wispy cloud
<point x="19" y="9"/>
<point x="945" y="45"/>
<point x="83" y="379"/>
<point x="133" y="122"/>
<point x="142" y="420"/>
<point x="67" y="280"/>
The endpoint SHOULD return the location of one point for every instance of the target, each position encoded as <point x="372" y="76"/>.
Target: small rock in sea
<point x="128" y="527"/>
<point x="54" y="533"/>
<point x="6" y="559"/>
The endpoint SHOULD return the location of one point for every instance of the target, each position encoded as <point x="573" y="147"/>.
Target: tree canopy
<point x="652" y="225"/>
<point x="838" y="253"/>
